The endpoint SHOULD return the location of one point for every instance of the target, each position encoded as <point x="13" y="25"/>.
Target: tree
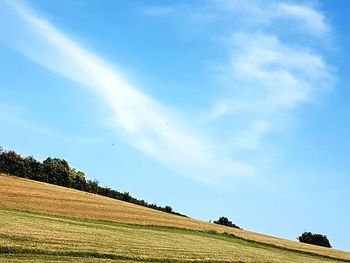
<point x="126" y="197"/>
<point x="12" y="163"/>
<point x="168" y="209"/>
<point x="56" y="171"/>
<point x="77" y="179"/>
<point x="33" y="168"/>
<point x="92" y="186"/>
<point x="224" y="221"/>
<point x="314" y="239"/>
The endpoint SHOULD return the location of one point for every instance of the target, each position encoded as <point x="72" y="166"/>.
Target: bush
<point x="224" y="221"/>
<point x="168" y="209"/>
<point x="314" y="239"/>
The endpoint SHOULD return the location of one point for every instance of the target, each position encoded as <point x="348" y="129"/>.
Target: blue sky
<point x="215" y="107"/>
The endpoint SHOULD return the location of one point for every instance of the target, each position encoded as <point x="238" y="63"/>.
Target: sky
<point x="214" y="107"/>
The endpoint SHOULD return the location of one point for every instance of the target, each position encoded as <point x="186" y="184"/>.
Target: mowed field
<point x="46" y="223"/>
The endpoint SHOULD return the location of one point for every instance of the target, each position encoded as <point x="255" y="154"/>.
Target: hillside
<point x="47" y="222"/>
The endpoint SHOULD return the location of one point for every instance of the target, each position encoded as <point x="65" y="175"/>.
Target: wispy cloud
<point x="303" y="15"/>
<point x="309" y="19"/>
<point x="147" y="124"/>
<point x="284" y="75"/>
<point x="267" y="77"/>
<point x="270" y="79"/>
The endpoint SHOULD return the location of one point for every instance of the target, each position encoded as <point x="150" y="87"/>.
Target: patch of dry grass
<point x="22" y="194"/>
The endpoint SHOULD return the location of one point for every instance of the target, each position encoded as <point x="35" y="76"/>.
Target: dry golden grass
<point x="22" y="194"/>
<point x="32" y="234"/>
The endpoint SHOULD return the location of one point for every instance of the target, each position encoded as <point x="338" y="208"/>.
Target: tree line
<point x="58" y="172"/>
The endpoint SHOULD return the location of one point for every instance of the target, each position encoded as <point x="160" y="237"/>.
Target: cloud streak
<point x="267" y="77"/>
<point x="303" y="16"/>
<point x="147" y="124"/>
<point x="309" y="19"/>
<point x="277" y="79"/>
<point x="287" y="76"/>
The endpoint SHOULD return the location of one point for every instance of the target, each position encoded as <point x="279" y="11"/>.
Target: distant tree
<point x="92" y="186"/>
<point x="12" y="163"/>
<point x="126" y="196"/>
<point x="77" y="179"/>
<point x="314" y="239"/>
<point x="34" y="168"/>
<point x="224" y="221"/>
<point x="56" y="171"/>
<point x="168" y="209"/>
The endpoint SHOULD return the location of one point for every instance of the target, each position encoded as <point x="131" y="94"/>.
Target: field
<point x="46" y="223"/>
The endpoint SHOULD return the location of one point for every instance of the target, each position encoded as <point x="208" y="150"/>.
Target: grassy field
<point x="45" y="223"/>
<point x="32" y="234"/>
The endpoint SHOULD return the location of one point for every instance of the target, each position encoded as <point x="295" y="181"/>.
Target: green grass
<point x="35" y="237"/>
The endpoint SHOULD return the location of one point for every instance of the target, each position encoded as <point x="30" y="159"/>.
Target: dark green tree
<point x="56" y="171"/>
<point x="77" y="179"/>
<point x="34" y="168"/>
<point x="92" y="186"/>
<point x="168" y="209"/>
<point x="314" y="239"/>
<point x="224" y="221"/>
<point x="12" y="163"/>
<point x="126" y="196"/>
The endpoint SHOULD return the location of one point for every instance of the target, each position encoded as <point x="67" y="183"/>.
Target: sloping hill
<point x="41" y="219"/>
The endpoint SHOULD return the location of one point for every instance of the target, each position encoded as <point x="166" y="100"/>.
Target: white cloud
<point x="286" y="75"/>
<point x="268" y="79"/>
<point x="272" y="75"/>
<point x="148" y="125"/>
<point x="310" y="19"/>
<point x="259" y="14"/>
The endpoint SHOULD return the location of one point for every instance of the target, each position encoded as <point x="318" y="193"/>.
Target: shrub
<point x="224" y="221"/>
<point x="314" y="239"/>
<point x="168" y="209"/>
